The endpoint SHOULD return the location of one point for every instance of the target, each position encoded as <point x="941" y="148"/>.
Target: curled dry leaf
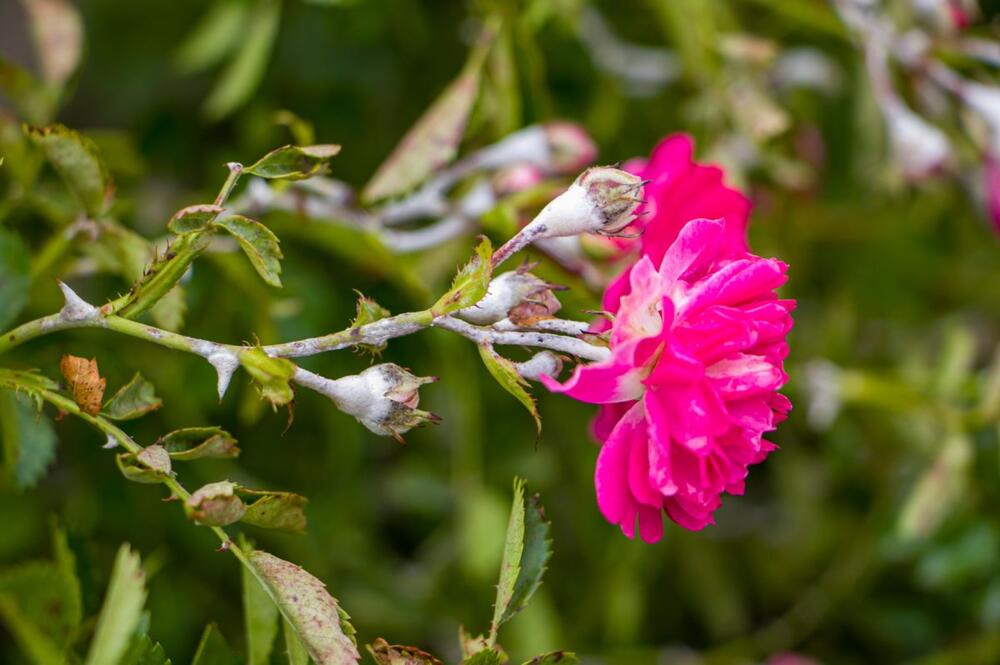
<point x="85" y="382"/>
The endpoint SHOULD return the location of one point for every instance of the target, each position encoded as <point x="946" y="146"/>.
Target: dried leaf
<point x="85" y="382"/>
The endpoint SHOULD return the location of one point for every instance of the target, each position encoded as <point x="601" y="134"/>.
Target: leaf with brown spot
<point x="85" y="382"/>
<point x="314" y="614"/>
<point x="395" y="654"/>
<point x="215" y="504"/>
<point x="275" y="510"/>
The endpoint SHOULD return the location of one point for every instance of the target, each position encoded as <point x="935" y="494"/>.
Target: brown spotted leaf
<point x="85" y="382"/>
<point x="314" y="614"/>
<point x="215" y="504"/>
<point x="395" y="654"/>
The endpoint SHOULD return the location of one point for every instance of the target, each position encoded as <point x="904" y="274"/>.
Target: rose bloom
<point x="697" y="348"/>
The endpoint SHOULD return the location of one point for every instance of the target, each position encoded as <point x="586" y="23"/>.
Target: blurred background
<point x="872" y="535"/>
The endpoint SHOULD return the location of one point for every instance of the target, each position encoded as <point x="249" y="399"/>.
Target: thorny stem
<point x="67" y="405"/>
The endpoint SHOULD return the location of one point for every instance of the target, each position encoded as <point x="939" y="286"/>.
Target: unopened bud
<point x="508" y="292"/>
<point x="919" y="148"/>
<point x="383" y="398"/>
<point x="516" y="178"/>
<point x="570" y="147"/>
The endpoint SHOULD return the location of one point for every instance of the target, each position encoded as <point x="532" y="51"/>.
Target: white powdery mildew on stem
<point x="570" y="345"/>
<point x="75" y="308"/>
<point x="225" y="364"/>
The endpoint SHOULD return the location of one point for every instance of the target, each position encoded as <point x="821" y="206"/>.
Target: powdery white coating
<point x="505" y="292"/>
<point x="544" y="363"/>
<point x="110" y="443"/>
<point x="75" y="307"/>
<point x="918" y="147"/>
<point x="569" y="214"/>
<point x="225" y="364"/>
<point x="529" y="145"/>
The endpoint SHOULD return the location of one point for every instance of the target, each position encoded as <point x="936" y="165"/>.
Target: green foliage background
<point x="899" y="286"/>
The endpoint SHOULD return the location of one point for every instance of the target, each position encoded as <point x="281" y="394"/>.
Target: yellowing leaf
<point x="272" y="375"/>
<point x="85" y="382"/>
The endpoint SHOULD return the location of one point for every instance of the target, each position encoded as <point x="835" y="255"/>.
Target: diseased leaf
<point x="258" y="243"/>
<point x="58" y="35"/>
<point x="368" y="311"/>
<point x="471" y="282"/>
<point x="246" y="70"/>
<point x="15" y="268"/>
<point x="555" y="658"/>
<point x="315" y="615"/>
<point x="276" y="510"/>
<point x="214" y="650"/>
<point x="505" y="373"/>
<point x="85" y="382"/>
<point x="395" y="654"/>
<point x="29" y="440"/>
<point x="260" y="618"/>
<point x="150" y="466"/>
<point x="293" y="162"/>
<point x="199" y="443"/>
<point x="133" y="400"/>
<point x="272" y="375"/>
<point x="434" y="140"/>
<point x="526" y="552"/>
<point x="121" y="610"/>
<point x="194" y="218"/>
<point x="294" y="650"/>
<point x="215" y="504"/>
<point x="77" y="161"/>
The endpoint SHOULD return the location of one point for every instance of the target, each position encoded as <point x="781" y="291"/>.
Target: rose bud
<point x="508" y="292"/>
<point x="383" y="398"/>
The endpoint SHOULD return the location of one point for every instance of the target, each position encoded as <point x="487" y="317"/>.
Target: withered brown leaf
<point x="85" y="382"/>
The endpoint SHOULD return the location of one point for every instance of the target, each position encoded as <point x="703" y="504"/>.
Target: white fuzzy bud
<point x="507" y="291"/>
<point x="383" y="398"/>
<point x="601" y="200"/>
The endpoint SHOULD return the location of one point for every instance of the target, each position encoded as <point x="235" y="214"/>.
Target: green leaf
<point x="293" y="162"/>
<point x="258" y="243"/>
<point x="526" y="552"/>
<point x="555" y="658"/>
<point x="245" y="71"/>
<point x="77" y="161"/>
<point x="369" y="311"/>
<point x="133" y="400"/>
<point x="294" y="650"/>
<point x="29" y="636"/>
<point x="434" y="140"/>
<point x="302" y="131"/>
<point x="276" y="510"/>
<point x="143" y="651"/>
<point x="487" y="657"/>
<point x="938" y="489"/>
<point x="150" y="466"/>
<point x="43" y="600"/>
<point x="199" y="443"/>
<point x="260" y="618"/>
<point x="215" y="504"/>
<point x="65" y="565"/>
<point x="29" y="440"/>
<point x="272" y="375"/>
<point x="15" y="269"/>
<point x="471" y="282"/>
<point x="505" y="373"/>
<point x="33" y="100"/>
<point x="318" y="620"/>
<point x="395" y="654"/>
<point x="216" y="35"/>
<point x="214" y="650"/>
<point x="194" y="218"/>
<point x="121" y="611"/>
